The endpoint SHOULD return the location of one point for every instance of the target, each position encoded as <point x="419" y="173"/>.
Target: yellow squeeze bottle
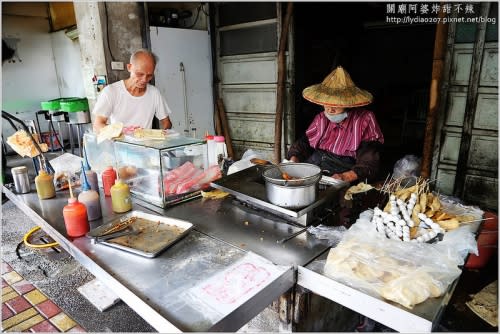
<point x="121" y="200"/>
<point x="44" y="183"/>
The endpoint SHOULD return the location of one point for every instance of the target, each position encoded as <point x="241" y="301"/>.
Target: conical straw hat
<point x="337" y="90"/>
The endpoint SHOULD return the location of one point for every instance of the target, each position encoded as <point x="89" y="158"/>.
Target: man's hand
<point x="348" y="176"/>
<point x="165" y="123"/>
<point x="99" y="123"/>
<point x="293" y="158"/>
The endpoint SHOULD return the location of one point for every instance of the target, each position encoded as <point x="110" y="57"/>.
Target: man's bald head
<point x="141" y="67"/>
<point x="143" y="55"/>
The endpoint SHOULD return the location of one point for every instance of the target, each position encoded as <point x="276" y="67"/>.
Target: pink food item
<point x="195" y="183"/>
<point x="174" y="184"/>
<point x="189" y="178"/>
<point x="129" y="130"/>
<point x="179" y="171"/>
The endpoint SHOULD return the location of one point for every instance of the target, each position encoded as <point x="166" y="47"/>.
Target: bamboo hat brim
<point x="337" y="90"/>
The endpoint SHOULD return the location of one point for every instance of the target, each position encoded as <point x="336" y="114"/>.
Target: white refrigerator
<point x="184" y="76"/>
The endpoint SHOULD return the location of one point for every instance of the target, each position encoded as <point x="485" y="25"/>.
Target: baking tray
<point x="157" y="233"/>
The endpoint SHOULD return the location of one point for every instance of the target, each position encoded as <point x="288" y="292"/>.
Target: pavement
<point x="26" y="308"/>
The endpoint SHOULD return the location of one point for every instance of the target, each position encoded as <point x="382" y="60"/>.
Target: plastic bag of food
<point x="403" y="272"/>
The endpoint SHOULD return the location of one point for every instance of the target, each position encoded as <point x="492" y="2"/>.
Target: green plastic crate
<point x="75" y="105"/>
<point x="55" y="104"/>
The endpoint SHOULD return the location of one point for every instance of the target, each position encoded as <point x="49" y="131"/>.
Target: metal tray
<point x="156" y="234"/>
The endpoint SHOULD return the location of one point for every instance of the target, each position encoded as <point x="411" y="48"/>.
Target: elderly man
<point x="133" y="102"/>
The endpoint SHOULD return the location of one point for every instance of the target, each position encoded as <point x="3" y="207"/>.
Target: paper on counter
<point x="227" y="290"/>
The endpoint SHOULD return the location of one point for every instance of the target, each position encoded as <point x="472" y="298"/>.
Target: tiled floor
<point x="27" y="309"/>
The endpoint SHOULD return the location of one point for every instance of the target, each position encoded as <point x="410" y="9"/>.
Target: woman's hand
<point x="293" y="158"/>
<point x="348" y="176"/>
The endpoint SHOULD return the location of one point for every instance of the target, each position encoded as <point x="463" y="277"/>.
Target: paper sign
<point x="229" y="289"/>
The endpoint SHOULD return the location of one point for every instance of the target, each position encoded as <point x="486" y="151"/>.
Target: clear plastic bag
<point x="332" y="233"/>
<point x="406" y="273"/>
<point x="408" y="166"/>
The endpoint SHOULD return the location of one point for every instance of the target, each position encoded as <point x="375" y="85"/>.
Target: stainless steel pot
<point x="297" y="193"/>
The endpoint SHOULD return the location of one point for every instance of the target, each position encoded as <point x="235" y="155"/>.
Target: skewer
<point x="69" y="184"/>
<point x="477" y="220"/>
<point x="382" y="189"/>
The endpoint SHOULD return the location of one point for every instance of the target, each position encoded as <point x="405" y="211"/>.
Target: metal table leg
<point x="80" y="136"/>
<point x="60" y="136"/>
<point x="71" y="144"/>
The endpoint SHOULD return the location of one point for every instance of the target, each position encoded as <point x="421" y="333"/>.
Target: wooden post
<point x="434" y="99"/>
<point x="218" y="124"/>
<point x="278" y="123"/>
<point x="225" y="128"/>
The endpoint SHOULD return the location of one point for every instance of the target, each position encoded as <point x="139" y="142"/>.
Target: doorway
<point x="393" y="62"/>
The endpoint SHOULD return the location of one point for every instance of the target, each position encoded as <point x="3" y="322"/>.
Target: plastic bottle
<point x="90" y="198"/>
<point x="75" y="218"/>
<point x="44" y="183"/>
<point x="220" y="149"/>
<point x="121" y="201"/>
<point x="90" y="174"/>
<point x="211" y="150"/>
<point x="108" y="180"/>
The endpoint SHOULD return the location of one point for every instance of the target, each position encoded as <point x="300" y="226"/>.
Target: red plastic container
<point x="75" y="218"/>
<point x="487" y="243"/>
<point x="108" y="180"/>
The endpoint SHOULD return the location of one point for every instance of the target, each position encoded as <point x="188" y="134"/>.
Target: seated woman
<point x="345" y="139"/>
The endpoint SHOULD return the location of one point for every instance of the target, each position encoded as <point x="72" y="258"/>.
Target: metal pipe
<point x="184" y="92"/>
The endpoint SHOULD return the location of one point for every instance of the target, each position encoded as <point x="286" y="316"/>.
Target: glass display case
<point x="99" y="155"/>
<point x="161" y="172"/>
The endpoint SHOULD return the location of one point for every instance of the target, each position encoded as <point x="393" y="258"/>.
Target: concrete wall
<point x="88" y="20"/>
<point x="125" y="22"/>
<point x="108" y="31"/>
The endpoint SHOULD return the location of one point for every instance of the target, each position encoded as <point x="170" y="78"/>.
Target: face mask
<point x="336" y="118"/>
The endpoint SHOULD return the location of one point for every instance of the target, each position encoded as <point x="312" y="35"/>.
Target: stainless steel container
<point x="79" y="117"/>
<point x="21" y="180"/>
<point x="297" y="193"/>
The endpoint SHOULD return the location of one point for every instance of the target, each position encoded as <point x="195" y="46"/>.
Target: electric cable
<point x="203" y="10"/>
<point x="107" y="31"/>
<point x="38" y="246"/>
<point x="196" y="19"/>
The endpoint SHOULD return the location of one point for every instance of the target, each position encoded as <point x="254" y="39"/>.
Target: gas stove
<point x="248" y="187"/>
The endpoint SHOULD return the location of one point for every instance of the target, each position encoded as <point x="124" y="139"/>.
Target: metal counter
<point x="224" y="231"/>
<point x="248" y="229"/>
<point x="157" y="288"/>
<point x="421" y="319"/>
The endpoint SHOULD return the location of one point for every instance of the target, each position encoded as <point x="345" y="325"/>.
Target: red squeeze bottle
<point x="75" y="218"/>
<point x="108" y="179"/>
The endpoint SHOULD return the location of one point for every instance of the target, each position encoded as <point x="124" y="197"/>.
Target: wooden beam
<point x="225" y="128"/>
<point x="434" y="99"/>
<point x="278" y="123"/>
